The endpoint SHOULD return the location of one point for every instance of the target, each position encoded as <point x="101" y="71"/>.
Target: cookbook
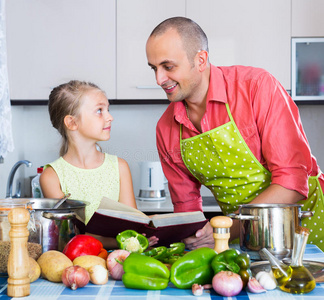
<point x="113" y="217"/>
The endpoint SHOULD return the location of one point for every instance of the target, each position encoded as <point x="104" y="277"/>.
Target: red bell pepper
<point x="83" y="244"/>
<point x="103" y="253"/>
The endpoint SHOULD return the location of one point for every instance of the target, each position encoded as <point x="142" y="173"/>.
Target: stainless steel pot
<point x="270" y="226"/>
<point x="57" y="226"/>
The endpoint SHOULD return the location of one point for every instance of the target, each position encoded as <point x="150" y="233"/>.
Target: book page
<point x="177" y="218"/>
<point x="125" y="215"/>
<point x="107" y="203"/>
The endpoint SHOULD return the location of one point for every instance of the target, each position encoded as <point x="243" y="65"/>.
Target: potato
<point x="52" y="264"/>
<point x="34" y="269"/>
<point x="87" y="261"/>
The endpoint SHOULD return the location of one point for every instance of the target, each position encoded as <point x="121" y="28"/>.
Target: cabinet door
<point x="251" y="32"/>
<point x="307" y="18"/>
<point x="135" y="21"/>
<point x="51" y="42"/>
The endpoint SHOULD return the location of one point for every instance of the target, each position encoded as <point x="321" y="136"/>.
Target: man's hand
<point x="202" y="238"/>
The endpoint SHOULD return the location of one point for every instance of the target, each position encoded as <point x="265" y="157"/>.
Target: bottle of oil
<point x="295" y="279"/>
<point x="281" y="271"/>
<point x="301" y="280"/>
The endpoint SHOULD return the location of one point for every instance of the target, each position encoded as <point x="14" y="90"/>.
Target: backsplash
<point x="132" y="138"/>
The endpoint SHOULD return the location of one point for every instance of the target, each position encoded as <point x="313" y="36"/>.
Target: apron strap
<point x="229" y="112"/>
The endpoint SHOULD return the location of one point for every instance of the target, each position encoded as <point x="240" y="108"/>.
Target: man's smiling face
<point x="178" y="76"/>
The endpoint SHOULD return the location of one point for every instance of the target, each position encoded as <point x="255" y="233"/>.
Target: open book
<point x="113" y="217"/>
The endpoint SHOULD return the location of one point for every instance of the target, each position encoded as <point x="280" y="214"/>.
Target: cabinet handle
<point x="148" y="87"/>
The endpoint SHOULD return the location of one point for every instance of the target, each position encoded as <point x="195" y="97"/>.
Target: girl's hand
<point x="152" y="240"/>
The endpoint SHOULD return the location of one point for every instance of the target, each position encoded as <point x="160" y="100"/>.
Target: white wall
<point x="132" y="138"/>
<point x="313" y="122"/>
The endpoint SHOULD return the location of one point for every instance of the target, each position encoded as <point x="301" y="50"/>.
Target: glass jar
<point x="34" y="228"/>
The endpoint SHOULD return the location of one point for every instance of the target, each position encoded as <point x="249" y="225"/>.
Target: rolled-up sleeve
<point x="284" y="144"/>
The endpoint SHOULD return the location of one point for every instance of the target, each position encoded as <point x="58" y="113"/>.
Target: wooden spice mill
<point x="18" y="262"/>
<point x="221" y="227"/>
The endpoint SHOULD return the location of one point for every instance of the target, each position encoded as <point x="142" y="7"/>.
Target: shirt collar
<point x="180" y="113"/>
<point x="216" y="92"/>
<point x="217" y="88"/>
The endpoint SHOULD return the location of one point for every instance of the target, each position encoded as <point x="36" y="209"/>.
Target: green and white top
<point x="89" y="184"/>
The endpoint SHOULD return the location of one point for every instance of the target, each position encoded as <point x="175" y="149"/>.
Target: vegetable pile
<point x="84" y="260"/>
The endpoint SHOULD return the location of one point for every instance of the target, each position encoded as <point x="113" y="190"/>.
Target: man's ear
<point x="202" y="60"/>
<point x="69" y="122"/>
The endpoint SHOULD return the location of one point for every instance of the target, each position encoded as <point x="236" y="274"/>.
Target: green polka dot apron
<point x="221" y="160"/>
<point x="315" y="203"/>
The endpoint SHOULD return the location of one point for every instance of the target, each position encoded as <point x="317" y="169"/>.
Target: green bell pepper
<point x="176" y="249"/>
<point x="234" y="261"/>
<point x="193" y="267"/>
<point x="158" y="253"/>
<point x="167" y="255"/>
<point x="171" y="259"/>
<point x="145" y="273"/>
<point x="132" y="241"/>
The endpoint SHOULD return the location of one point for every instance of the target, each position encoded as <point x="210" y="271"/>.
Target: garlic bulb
<point x="254" y="286"/>
<point x="266" y="280"/>
<point x="98" y="274"/>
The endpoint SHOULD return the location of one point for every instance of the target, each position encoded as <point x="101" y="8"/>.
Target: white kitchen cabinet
<point x="51" y="42"/>
<point x="135" y="21"/>
<point x="307" y="18"/>
<point x="251" y="32"/>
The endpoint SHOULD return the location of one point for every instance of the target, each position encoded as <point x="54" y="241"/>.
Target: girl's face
<point x="94" y="121"/>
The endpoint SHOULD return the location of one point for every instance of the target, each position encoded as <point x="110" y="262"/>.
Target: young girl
<point x="80" y="112"/>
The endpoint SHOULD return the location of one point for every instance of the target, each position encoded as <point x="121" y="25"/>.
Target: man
<point x="233" y="129"/>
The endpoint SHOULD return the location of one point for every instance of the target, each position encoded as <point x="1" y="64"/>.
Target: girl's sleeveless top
<point x="89" y="185"/>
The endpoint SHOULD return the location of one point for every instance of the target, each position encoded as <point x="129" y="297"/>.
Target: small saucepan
<point x="270" y="226"/>
<point x="56" y="225"/>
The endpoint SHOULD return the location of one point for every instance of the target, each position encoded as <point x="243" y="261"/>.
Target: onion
<point x="114" y="263"/>
<point x="75" y="277"/>
<point x="227" y="283"/>
<point x="98" y="274"/>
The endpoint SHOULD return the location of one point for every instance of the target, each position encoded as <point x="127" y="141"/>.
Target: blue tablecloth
<point x="114" y="290"/>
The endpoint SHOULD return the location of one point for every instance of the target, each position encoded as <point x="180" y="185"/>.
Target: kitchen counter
<point x="158" y="206"/>
<point x="114" y="290"/>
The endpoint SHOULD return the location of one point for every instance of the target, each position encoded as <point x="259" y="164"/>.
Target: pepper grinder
<point x="18" y="261"/>
<point x="221" y="225"/>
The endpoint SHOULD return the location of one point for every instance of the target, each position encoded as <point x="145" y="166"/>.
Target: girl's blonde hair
<point x="64" y="100"/>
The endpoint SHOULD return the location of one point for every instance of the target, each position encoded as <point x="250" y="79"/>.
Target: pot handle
<point x="306" y="214"/>
<point x="243" y="217"/>
<point x="58" y="215"/>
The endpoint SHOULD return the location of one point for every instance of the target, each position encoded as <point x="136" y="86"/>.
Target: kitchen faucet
<point x="11" y="177"/>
